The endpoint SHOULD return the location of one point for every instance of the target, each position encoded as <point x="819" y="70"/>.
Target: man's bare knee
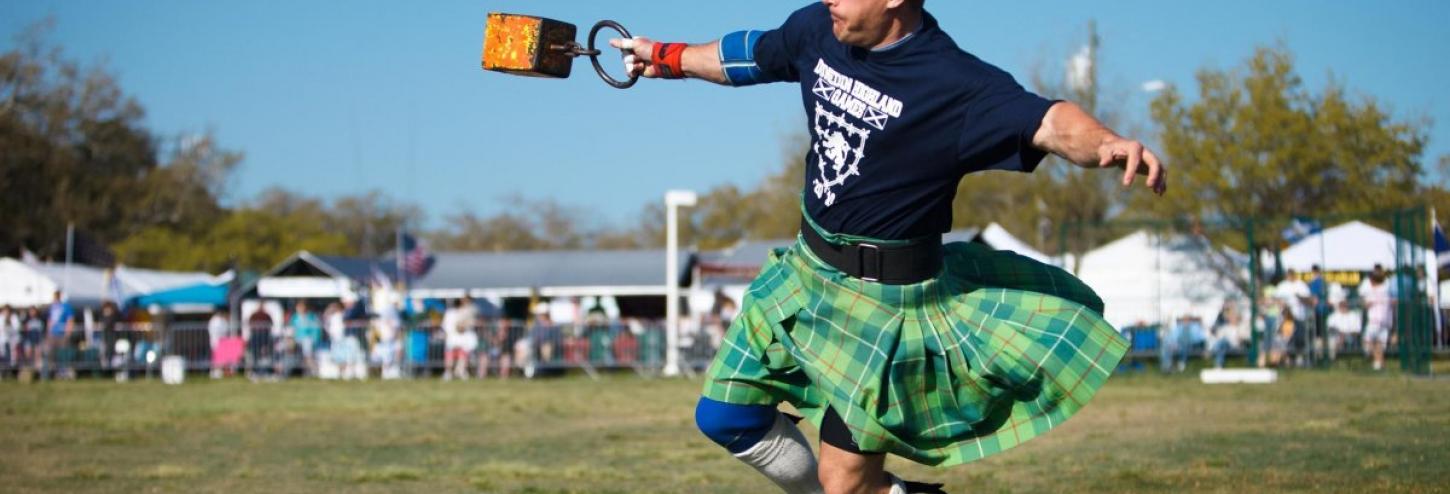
<point x="849" y="482"/>
<point x="843" y="472"/>
<point x="842" y="481"/>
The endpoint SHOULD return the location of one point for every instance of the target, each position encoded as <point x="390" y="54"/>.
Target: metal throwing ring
<point x="594" y="56"/>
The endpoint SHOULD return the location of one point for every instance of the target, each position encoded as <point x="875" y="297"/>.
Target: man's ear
<point x="895" y="4"/>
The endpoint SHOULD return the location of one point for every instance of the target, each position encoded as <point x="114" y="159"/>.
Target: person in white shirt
<point x="1294" y="294"/>
<point x="1229" y="332"/>
<point x="217" y="328"/>
<point x="345" y="349"/>
<point x="387" y="351"/>
<point x="9" y="335"/>
<point x="460" y="340"/>
<point x="1344" y="325"/>
<point x="336" y="326"/>
<point x="1379" y="303"/>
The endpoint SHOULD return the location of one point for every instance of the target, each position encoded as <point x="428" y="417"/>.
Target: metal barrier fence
<point x="1169" y="349"/>
<point x="361" y="349"/>
<point x="1287" y="290"/>
<point x="491" y="348"/>
<point x="127" y="350"/>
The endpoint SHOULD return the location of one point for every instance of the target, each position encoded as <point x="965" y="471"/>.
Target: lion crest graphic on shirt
<point x="839" y="147"/>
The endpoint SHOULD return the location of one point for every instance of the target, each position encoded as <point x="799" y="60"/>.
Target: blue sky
<point x="334" y="97"/>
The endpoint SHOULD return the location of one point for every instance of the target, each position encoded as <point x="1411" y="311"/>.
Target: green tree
<point x="727" y="215"/>
<point x="280" y="201"/>
<point x="257" y="240"/>
<point x="523" y="224"/>
<point x="183" y="192"/>
<point x="775" y="204"/>
<point x="371" y="221"/>
<point x="254" y="240"/>
<point x="75" y="152"/>
<point x="73" y="147"/>
<point x="1058" y="194"/>
<point x="1255" y="143"/>
<point x="467" y="231"/>
<point x="1255" y="147"/>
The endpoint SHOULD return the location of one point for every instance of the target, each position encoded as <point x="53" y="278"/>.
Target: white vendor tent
<point x="999" y="238"/>
<point x="29" y="284"/>
<point x="23" y="284"/>
<point x="1353" y="246"/>
<point x="1150" y="278"/>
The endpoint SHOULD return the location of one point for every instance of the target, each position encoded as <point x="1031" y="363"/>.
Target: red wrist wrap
<point x="667" y="59"/>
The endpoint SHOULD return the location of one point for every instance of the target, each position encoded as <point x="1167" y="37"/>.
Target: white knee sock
<point x="785" y="458"/>
<point x="898" y="486"/>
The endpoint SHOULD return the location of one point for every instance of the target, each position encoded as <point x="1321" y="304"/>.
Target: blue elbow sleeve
<point x="737" y="57"/>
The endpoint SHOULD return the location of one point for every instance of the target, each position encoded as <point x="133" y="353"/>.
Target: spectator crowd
<point x="1301" y="322"/>
<point x="331" y="340"/>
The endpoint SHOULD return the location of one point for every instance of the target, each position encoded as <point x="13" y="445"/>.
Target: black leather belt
<point x="904" y="264"/>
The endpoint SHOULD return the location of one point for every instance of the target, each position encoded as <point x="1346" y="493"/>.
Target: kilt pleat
<point x="996" y="350"/>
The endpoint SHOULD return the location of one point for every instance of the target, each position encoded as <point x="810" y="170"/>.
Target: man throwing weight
<point x="887" y="340"/>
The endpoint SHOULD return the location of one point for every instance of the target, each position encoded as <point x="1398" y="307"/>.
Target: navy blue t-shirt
<point x="894" y="131"/>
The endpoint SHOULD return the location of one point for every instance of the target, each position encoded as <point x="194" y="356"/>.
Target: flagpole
<point x="398" y="266"/>
<point x="1433" y="273"/>
<point x="70" y="236"/>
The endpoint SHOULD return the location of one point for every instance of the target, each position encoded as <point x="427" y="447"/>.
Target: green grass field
<point x="1313" y="431"/>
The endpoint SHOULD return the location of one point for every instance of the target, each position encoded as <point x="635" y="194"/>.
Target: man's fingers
<point x="1128" y="170"/>
<point x="623" y="44"/>
<point x="631" y="64"/>
<point x="1155" y="169"/>
<point x="637" y="45"/>
<point x="635" y="60"/>
<point x="1135" y="158"/>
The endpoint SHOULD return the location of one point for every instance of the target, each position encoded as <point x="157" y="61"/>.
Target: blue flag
<point x="1442" y="246"/>
<point x="1300" y="228"/>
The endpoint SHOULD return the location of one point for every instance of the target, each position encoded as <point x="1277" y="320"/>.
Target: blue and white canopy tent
<point x="200" y="297"/>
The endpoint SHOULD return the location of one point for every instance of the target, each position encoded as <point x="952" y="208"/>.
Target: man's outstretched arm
<point x="697" y="61"/>
<point x="1071" y="133"/>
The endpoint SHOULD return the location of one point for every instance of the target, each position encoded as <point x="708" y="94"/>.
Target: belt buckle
<point x="861" y="260"/>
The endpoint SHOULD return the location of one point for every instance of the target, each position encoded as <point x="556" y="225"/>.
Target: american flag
<point x="417" y="260"/>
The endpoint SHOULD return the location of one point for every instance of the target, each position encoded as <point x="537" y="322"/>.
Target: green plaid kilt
<point x="994" y="351"/>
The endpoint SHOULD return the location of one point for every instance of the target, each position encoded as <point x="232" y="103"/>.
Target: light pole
<point x="674" y="199"/>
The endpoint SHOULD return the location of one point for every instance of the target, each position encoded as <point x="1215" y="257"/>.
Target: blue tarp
<point x="198" y="294"/>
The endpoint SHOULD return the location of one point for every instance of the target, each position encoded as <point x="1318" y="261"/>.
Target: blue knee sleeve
<point x="736" y="427"/>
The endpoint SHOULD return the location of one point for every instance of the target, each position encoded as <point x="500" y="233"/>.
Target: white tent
<point x="999" y="238"/>
<point x="29" y="284"/>
<point x="24" y="284"/>
<point x="144" y="281"/>
<point x="1353" y="246"/>
<point x="1150" y="278"/>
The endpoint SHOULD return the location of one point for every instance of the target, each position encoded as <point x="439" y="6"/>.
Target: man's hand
<point x="1134" y="159"/>
<point x="637" y="61"/>
<point x="1071" y="133"/>
<point x="698" y="61"/>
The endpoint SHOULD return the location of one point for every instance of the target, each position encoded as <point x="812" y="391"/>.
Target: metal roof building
<point x="308" y="275"/>
<point x="739" y="264"/>
<point x="548" y="273"/>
